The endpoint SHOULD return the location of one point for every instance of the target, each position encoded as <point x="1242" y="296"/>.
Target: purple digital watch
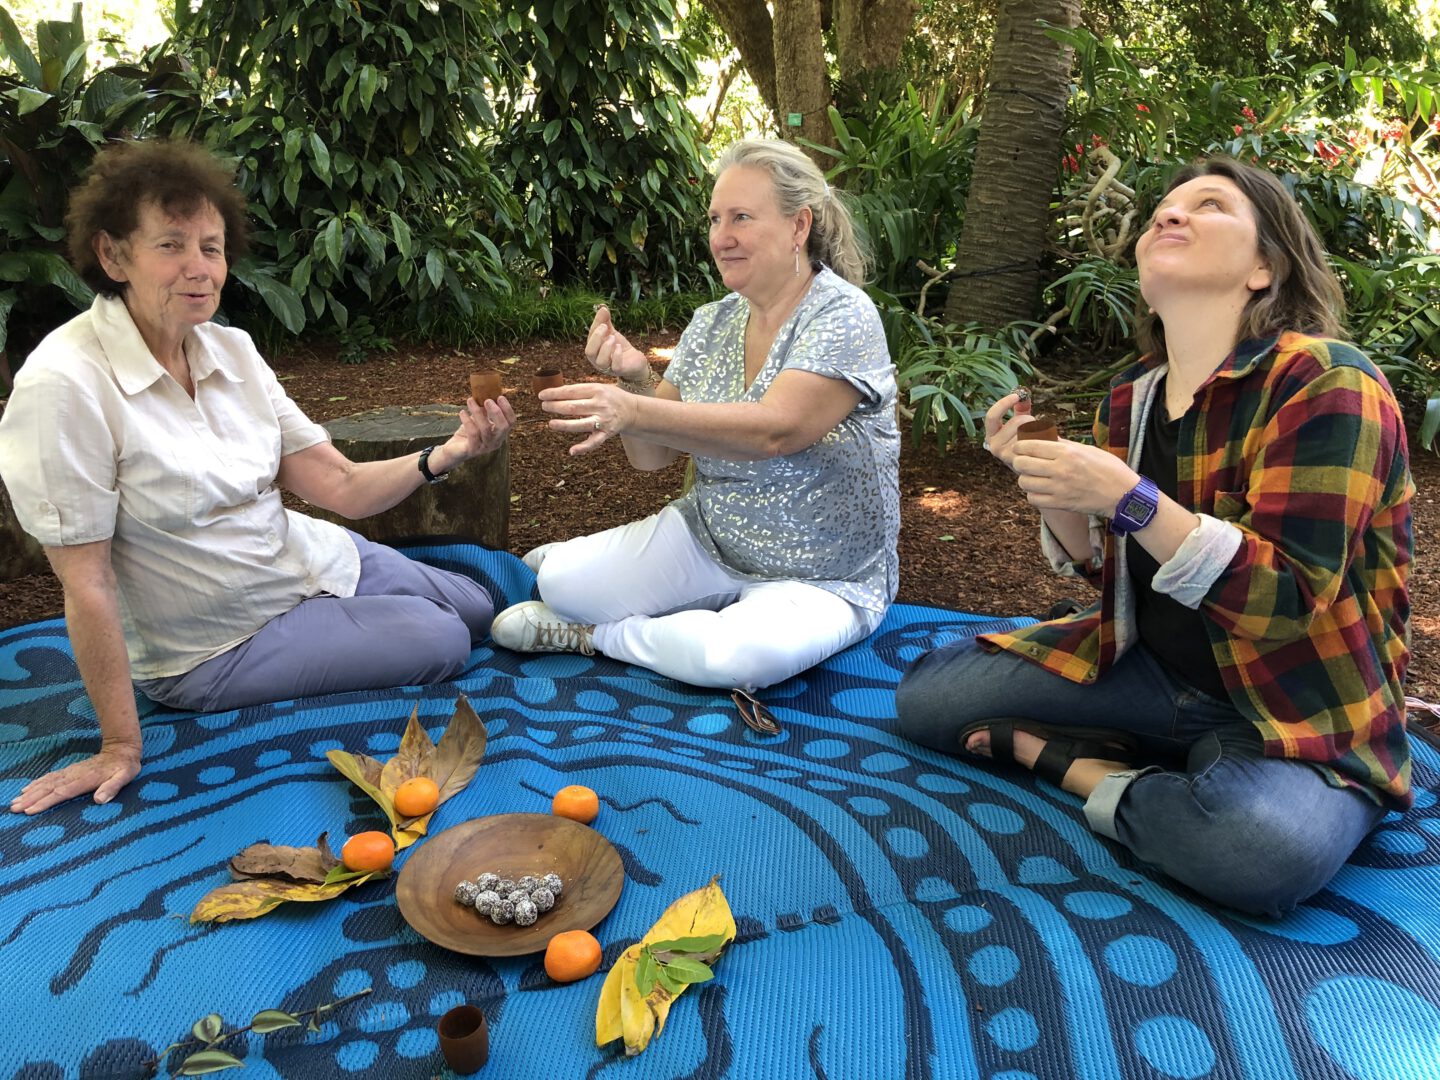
<point x="1136" y="508"/>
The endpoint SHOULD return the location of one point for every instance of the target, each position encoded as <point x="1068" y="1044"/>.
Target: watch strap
<point x="424" y="463"/>
<point x="1136" y="507"/>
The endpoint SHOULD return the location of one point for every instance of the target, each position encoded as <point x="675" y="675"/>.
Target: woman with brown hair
<point x="146" y="448"/>
<point x="1245" y="511"/>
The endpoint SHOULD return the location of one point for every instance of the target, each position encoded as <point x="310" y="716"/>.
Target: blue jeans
<point x="408" y="624"/>
<point x="1255" y="833"/>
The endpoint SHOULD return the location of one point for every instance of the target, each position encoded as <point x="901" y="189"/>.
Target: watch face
<point x="1136" y="508"/>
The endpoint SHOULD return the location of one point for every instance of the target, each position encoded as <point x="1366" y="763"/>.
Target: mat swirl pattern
<point x="901" y="913"/>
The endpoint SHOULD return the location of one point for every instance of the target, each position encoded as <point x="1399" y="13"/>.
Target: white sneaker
<point x="535" y="556"/>
<point x="533" y="627"/>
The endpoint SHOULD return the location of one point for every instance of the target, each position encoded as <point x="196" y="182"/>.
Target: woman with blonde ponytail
<point x="783" y="551"/>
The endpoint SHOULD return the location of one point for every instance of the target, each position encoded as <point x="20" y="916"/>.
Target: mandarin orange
<point x="368" y="851"/>
<point x="577" y="802"/>
<point x="572" y="955"/>
<point x="416" y="797"/>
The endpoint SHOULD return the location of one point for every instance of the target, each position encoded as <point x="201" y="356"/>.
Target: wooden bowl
<point x="512" y="845"/>
<point x="486" y="386"/>
<point x="545" y="379"/>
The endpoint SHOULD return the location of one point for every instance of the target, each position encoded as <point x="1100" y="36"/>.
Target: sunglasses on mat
<point x="756" y="716"/>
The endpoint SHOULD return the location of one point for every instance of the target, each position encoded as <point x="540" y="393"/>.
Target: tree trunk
<point x="747" y="23"/>
<point x="802" y="85"/>
<point x="869" y="34"/>
<point x="1007" y="213"/>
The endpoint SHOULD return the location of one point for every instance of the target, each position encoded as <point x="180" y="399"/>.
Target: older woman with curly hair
<point x="146" y="448"/>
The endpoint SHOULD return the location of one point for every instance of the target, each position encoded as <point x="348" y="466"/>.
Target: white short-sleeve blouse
<point x="99" y="442"/>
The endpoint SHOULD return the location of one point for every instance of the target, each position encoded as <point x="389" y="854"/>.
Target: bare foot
<point x="1080" y="778"/>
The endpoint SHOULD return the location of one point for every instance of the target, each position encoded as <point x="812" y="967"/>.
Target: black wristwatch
<point x="1136" y="507"/>
<point x="424" y="463"/>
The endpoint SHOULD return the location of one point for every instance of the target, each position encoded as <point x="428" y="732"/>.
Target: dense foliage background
<point x="465" y="170"/>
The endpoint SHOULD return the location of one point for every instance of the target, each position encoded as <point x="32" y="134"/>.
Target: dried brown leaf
<point x="460" y="752"/>
<point x="413" y="758"/>
<point x="298" y="864"/>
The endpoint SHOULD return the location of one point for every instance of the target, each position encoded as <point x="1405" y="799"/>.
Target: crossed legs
<point x="407" y="624"/>
<point x="1256" y="833"/>
<point x="657" y="599"/>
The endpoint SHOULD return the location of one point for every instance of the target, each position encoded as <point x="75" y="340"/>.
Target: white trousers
<point x="659" y="600"/>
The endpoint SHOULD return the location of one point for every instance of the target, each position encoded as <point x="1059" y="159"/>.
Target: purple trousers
<point x="407" y="624"/>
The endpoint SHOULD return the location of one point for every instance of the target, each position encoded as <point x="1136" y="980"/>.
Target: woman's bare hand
<point x="104" y="773"/>
<point x="1065" y="475"/>
<point x="1001" y="433"/>
<point x="594" y="410"/>
<point x="610" y="353"/>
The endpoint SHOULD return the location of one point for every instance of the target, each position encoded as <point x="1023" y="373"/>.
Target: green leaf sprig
<point x="209" y="1032"/>
<point x="676" y="963"/>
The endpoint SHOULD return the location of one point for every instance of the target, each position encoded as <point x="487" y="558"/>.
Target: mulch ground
<point x="967" y="537"/>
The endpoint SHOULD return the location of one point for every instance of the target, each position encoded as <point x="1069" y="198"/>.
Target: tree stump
<point x="20" y="553"/>
<point x="473" y="504"/>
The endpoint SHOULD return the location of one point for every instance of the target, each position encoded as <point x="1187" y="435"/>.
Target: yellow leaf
<point x="622" y="1011"/>
<point x="452" y="765"/>
<point x="637" y="1022"/>
<point x="364" y="773"/>
<point x="607" y="1010"/>
<point x="253" y="897"/>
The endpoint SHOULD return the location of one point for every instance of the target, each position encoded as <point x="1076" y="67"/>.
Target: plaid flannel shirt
<point x="1299" y="445"/>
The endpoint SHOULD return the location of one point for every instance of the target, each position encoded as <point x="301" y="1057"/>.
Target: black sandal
<point x="1063" y="745"/>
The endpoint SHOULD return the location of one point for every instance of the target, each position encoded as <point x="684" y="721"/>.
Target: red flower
<point x="1095" y="140"/>
<point x="1238" y="129"/>
<point x="1248" y="113"/>
<point x="1141" y="108"/>
<point x="1070" y="163"/>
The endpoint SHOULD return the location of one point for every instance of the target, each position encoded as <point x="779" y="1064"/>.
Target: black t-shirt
<point x="1173" y="632"/>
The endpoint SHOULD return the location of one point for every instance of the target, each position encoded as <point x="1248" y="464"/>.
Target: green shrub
<point x="355" y="128"/>
<point x="906" y="170"/>
<point x="594" y="137"/>
<point x="54" y="114"/>
<point x="565" y="314"/>
<point x="949" y="376"/>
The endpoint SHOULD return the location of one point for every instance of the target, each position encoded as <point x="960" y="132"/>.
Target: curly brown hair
<point x="178" y="177"/>
<point x="1303" y="295"/>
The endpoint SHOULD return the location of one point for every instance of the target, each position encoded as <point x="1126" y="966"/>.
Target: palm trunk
<point x="1007" y="213"/>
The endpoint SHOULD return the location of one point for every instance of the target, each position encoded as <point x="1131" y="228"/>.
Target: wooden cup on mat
<point x="1040" y="427"/>
<point x="546" y="378"/>
<point x="486" y="386"/>
<point x="464" y="1037"/>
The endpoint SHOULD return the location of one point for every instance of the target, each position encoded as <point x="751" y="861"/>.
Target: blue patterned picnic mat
<point x="902" y="913"/>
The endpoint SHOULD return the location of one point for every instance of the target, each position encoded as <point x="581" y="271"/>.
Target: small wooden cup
<point x="1040" y="427"/>
<point x="486" y="386"/>
<point x="546" y="378"/>
<point x="464" y="1038"/>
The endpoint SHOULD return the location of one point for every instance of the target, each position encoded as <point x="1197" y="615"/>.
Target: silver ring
<point x="597" y="423"/>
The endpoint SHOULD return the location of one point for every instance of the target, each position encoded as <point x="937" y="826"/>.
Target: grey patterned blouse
<point x="828" y="515"/>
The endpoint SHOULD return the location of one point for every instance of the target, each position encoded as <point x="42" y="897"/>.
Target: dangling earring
<point x="797" y="260"/>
